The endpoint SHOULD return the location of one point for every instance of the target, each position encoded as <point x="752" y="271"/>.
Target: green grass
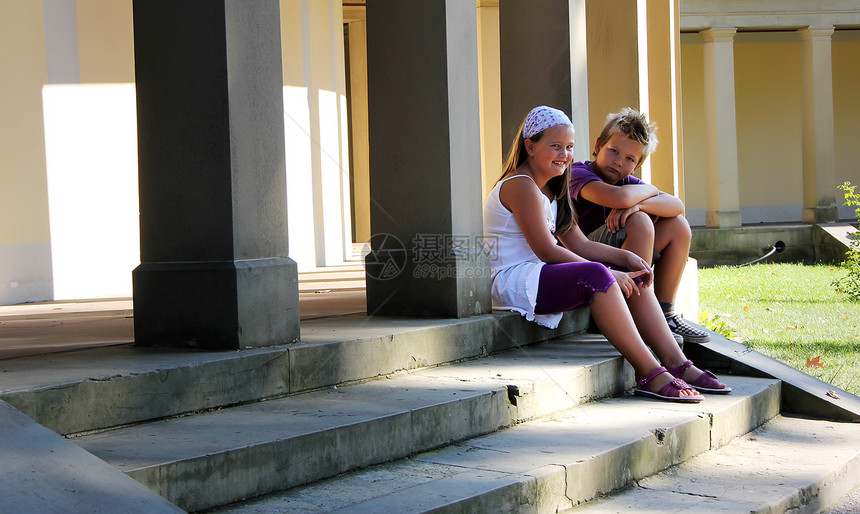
<point x="789" y="312"/>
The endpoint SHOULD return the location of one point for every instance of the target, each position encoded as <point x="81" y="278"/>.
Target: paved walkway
<point x="46" y="327"/>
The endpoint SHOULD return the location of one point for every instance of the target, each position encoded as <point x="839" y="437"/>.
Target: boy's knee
<point x="639" y="223"/>
<point x="682" y="227"/>
<point x="677" y="224"/>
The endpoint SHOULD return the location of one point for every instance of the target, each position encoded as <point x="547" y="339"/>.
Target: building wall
<point x="768" y="77"/>
<point x="105" y="41"/>
<point x="68" y="142"/>
<point x="25" y="252"/>
<point x="316" y="127"/>
<point x="91" y="150"/>
<point x="768" y="110"/>
<point x="846" y="100"/>
<point x="68" y="145"/>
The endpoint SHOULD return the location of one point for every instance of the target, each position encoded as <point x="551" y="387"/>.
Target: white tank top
<point x="503" y="233"/>
<point x="515" y="267"/>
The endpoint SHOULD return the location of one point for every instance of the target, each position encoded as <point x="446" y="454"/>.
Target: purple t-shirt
<point x="590" y="215"/>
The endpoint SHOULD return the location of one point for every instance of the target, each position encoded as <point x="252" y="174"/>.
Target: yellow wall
<point x="25" y="249"/>
<point x="768" y="110"/>
<point x="489" y="83"/>
<point x="846" y="108"/>
<point x="23" y="184"/>
<point x="105" y="41"/>
<point x="693" y="126"/>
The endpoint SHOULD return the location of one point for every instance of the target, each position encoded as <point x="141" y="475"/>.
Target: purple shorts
<point x="570" y="285"/>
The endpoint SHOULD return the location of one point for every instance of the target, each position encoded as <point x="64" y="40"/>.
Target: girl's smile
<point x="553" y="152"/>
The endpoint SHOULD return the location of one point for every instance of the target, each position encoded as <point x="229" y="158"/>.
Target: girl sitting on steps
<point x="525" y="216"/>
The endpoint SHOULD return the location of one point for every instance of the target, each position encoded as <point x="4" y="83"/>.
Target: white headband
<point x="542" y="118"/>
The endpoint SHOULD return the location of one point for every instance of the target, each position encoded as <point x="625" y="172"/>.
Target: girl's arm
<point x="524" y="200"/>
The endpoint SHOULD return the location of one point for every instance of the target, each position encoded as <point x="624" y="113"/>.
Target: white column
<point x="579" y="80"/>
<point x="819" y="166"/>
<point x="316" y="131"/>
<point x="721" y="129"/>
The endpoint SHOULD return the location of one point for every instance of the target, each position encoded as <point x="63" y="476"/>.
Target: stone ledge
<point x="97" y="388"/>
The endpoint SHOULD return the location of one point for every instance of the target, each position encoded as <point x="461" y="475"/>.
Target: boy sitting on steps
<point x="618" y="209"/>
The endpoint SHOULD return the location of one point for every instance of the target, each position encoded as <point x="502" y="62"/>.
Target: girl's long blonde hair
<point x="560" y="186"/>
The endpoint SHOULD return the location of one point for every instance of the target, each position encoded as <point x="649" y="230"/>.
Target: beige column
<point x="614" y="60"/>
<point x="358" y="124"/>
<point x="490" y="93"/>
<point x="819" y="166"/>
<point x="721" y="129"/>
<point x="664" y="77"/>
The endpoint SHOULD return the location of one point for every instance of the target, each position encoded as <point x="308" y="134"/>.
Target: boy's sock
<point x="668" y="309"/>
<point x="689" y="333"/>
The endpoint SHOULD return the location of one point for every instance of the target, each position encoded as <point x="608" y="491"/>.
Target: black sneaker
<point x="690" y="333"/>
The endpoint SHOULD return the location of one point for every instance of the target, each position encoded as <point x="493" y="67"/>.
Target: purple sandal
<point x="670" y="392"/>
<point x="706" y="383"/>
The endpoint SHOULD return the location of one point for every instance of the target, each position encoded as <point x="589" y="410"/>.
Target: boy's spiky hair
<point x="635" y="126"/>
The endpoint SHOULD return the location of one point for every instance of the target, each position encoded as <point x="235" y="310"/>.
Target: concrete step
<point x="787" y="465"/>
<point x="41" y="471"/>
<point x="544" y="465"/>
<point x="97" y="388"/>
<point x="216" y="458"/>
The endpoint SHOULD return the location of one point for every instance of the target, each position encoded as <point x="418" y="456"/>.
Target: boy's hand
<point x="618" y="218"/>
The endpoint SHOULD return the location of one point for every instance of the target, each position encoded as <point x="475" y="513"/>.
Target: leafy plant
<point x="718" y="324"/>
<point x="850" y="283"/>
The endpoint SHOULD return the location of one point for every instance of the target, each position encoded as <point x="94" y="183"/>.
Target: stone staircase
<point x="371" y="414"/>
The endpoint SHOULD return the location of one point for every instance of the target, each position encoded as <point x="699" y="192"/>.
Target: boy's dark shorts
<point x="603" y="235"/>
<point x="616" y="239"/>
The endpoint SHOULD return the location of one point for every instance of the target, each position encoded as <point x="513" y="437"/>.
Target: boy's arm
<point x="646" y="197"/>
<point x="663" y="205"/>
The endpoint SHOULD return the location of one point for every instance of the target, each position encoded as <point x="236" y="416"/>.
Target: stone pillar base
<point x="723" y="219"/>
<point x="820" y="214"/>
<point x="228" y="305"/>
<point x="398" y="285"/>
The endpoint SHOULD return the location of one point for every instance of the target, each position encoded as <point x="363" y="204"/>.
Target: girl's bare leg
<point x="650" y="322"/>
<point x="610" y="312"/>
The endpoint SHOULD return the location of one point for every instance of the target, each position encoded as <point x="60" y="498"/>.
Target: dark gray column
<point x="428" y="256"/>
<point x="214" y="270"/>
<point x="535" y="60"/>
